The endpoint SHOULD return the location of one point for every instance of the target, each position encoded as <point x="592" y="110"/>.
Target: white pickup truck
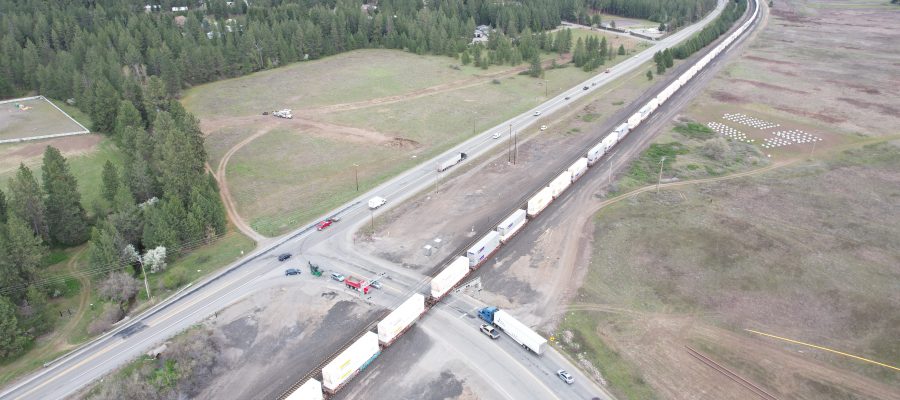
<point x="376" y="202"/>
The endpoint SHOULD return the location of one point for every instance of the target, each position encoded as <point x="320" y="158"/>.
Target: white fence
<point x="41" y="137"/>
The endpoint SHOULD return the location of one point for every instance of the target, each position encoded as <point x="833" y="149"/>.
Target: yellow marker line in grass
<point x="825" y="348"/>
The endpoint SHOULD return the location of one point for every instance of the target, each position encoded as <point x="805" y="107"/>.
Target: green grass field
<point x="86" y="164"/>
<point x="292" y="174"/>
<point x="804" y="252"/>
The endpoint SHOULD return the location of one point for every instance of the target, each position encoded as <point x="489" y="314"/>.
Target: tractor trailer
<point x="522" y="334"/>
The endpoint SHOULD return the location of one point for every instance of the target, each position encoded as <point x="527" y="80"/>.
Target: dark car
<point x="291" y="271"/>
<point x="284" y="256"/>
<point x="585" y="88"/>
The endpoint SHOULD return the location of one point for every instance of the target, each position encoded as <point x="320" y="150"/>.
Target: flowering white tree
<point x="155" y="259"/>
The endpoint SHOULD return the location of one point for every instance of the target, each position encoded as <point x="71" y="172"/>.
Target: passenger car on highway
<point x="565" y="376"/>
<point x="536" y="113"/>
<point x="284" y="256"/>
<point x="496" y="136"/>
<point x="291" y="271"/>
<point x="324" y="224"/>
<point x="489" y="331"/>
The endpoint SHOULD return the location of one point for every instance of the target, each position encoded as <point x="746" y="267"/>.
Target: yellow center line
<point x="67" y="370"/>
<point x="826" y="349"/>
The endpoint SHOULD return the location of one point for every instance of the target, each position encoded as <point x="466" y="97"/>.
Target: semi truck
<point x="522" y="334"/>
<point x="451" y="162"/>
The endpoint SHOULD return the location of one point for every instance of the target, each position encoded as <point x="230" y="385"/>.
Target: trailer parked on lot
<point x="516" y="330"/>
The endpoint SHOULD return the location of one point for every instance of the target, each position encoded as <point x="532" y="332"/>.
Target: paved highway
<point x="247" y="276"/>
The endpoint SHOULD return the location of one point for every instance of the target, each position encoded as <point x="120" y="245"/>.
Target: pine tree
<point x="649" y="75"/>
<point x="535" y="70"/>
<point x="12" y="339"/>
<point x="3" y="208"/>
<point x="26" y="201"/>
<point x="621" y="50"/>
<point x="667" y="57"/>
<point x="65" y="215"/>
<point x="110" y="181"/>
<point x="21" y="252"/>
<point x="127" y="117"/>
<point x="104" y="103"/>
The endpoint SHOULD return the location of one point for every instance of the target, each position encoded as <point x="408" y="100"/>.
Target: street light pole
<point x="661" y="161"/>
<point x="356" y="173"/>
<point x="509" y="146"/>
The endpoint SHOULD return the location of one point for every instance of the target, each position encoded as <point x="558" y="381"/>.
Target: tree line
<point x="672" y="13"/>
<point x="732" y="12"/>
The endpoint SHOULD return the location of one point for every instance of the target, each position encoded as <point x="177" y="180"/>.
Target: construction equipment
<point x="285" y="113"/>
<point x="315" y="269"/>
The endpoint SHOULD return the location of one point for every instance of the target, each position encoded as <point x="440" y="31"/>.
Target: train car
<point x="560" y="184"/>
<point x="578" y="168"/>
<point x="595" y="153"/>
<point x="449" y="277"/>
<point x="539" y="202"/>
<point x="399" y="320"/>
<point x="511" y="225"/>
<point x="482" y="249"/>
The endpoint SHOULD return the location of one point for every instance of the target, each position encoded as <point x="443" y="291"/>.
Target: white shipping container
<point x="401" y="318"/>
<point x="483" y="248"/>
<point x="610" y="140"/>
<point x="560" y="184"/>
<point x="634" y="120"/>
<point x="653" y="104"/>
<point x="310" y="390"/>
<point x="621" y="130"/>
<point x="511" y="225"/>
<point x="519" y="332"/>
<point x="577" y="169"/>
<point x="349" y="362"/>
<point x="449" y="277"/>
<point x="539" y="202"/>
<point x="595" y="153"/>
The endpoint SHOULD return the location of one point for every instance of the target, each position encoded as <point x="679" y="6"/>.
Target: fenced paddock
<point x="34" y="118"/>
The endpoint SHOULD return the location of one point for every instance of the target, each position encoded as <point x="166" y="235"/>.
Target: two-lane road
<point x="246" y="276"/>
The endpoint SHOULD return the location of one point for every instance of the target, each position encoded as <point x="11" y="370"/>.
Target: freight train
<point x="358" y="355"/>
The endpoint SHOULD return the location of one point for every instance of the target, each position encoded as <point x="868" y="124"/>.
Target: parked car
<point x="376" y="285"/>
<point x="496" y="136"/>
<point x="284" y="256"/>
<point x="324" y="224"/>
<point x="489" y="331"/>
<point x="565" y="376"/>
<point x="585" y="88"/>
<point x="568" y="97"/>
<point x="543" y="127"/>
<point x="291" y="271"/>
<point x="338" y="277"/>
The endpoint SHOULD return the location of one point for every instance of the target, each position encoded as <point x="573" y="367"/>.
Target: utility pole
<point x="140" y="260"/>
<point x="372" y="213"/>
<point x="509" y="146"/>
<point x="812" y="150"/>
<point x="661" y="161"/>
<point x="546" y="89"/>
<point x="356" y="172"/>
<point x="516" y="145"/>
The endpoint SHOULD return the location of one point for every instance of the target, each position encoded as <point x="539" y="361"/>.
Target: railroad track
<point x="758" y="391"/>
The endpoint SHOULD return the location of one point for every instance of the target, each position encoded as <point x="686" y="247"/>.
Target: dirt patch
<point x="770" y="86"/>
<point x="403" y="144"/>
<point x="829" y="118"/>
<point x="769" y="60"/>
<point x="271" y="339"/>
<point x="870" y="105"/>
<point x="725" y="97"/>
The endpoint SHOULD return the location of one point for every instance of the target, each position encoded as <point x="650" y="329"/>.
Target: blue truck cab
<point x="487" y="314"/>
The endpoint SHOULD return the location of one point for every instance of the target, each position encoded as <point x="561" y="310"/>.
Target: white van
<point x="376" y="202"/>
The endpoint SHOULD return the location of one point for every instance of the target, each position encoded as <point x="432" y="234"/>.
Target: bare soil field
<point x="37" y="117"/>
<point x="474" y="193"/>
